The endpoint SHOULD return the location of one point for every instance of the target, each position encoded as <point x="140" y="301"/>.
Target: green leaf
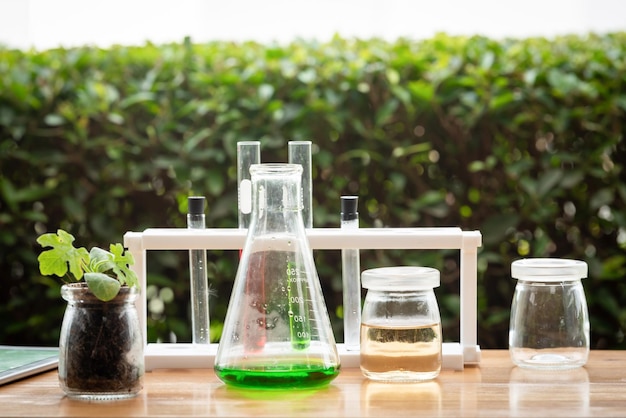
<point x="102" y="286"/>
<point x="62" y="254"/>
<point x="422" y="91"/>
<point x="548" y="181"/>
<point x="121" y="268"/>
<point x="385" y="113"/>
<point x="101" y="260"/>
<point x="572" y="178"/>
<point x="392" y="76"/>
<point x="142" y="96"/>
<point x="496" y="227"/>
<point x="403" y="94"/>
<point x="215" y="183"/>
<point x="501" y="100"/>
<point x="192" y="142"/>
<point x="601" y="198"/>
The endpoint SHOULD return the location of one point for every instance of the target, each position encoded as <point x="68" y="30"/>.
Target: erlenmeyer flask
<point x="277" y="331"/>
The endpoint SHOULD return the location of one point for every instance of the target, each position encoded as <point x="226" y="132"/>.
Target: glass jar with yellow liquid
<point x="400" y="324"/>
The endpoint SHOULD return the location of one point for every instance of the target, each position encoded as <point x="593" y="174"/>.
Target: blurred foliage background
<point x="522" y="139"/>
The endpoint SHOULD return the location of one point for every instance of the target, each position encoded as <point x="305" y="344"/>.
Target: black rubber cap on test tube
<point x="196" y="205"/>
<point x="349" y="208"/>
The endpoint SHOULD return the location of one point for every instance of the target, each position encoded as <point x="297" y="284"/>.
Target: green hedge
<point x="520" y="139"/>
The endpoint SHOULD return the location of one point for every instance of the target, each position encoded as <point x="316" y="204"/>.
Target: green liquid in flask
<point x="279" y="377"/>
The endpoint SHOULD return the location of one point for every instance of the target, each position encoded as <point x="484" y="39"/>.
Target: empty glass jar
<point x="400" y="324"/>
<point x="549" y="326"/>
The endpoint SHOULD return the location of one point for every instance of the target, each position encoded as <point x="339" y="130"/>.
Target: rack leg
<point x="469" y="297"/>
<point x="134" y="243"/>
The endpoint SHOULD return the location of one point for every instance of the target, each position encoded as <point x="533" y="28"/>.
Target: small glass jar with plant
<point x="101" y="344"/>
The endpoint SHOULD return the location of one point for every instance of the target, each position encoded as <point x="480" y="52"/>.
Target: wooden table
<point x="496" y="388"/>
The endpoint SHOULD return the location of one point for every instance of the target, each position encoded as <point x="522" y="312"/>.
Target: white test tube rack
<point x="187" y="355"/>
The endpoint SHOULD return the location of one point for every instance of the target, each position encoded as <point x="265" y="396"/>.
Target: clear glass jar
<point x="401" y="324"/>
<point x="549" y="326"/>
<point x="100" y="346"/>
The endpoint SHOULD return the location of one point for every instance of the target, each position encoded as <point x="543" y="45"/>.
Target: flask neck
<point x="277" y="198"/>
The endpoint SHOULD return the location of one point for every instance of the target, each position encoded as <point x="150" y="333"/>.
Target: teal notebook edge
<point x="19" y="362"/>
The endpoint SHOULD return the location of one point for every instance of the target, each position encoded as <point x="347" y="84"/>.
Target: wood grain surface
<point x="496" y="388"/>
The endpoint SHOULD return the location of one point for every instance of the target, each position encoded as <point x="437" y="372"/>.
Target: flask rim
<point x="548" y="269"/>
<point x="275" y="168"/>
<point x="400" y="278"/>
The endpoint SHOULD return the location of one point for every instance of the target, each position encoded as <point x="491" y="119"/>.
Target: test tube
<point x="351" y="277"/>
<point x="300" y="153"/>
<point x="248" y="153"/>
<point x="201" y="332"/>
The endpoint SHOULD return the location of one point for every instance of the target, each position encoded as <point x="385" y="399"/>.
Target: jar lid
<point x="548" y="269"/>
<point x="400" y="278"/>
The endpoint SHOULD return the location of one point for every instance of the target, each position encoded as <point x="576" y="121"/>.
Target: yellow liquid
<point x="401" y="353"/>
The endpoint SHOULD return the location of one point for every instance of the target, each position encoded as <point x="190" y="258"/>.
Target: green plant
<point x="103" y="271"/>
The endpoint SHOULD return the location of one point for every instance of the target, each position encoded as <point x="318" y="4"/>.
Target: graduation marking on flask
<point x="299" y="324"/>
